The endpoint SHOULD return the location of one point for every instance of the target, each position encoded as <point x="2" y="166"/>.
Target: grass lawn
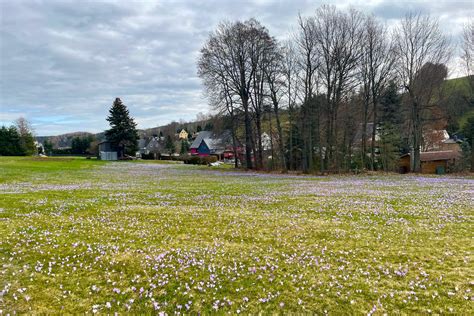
<point x="89" y="236"/>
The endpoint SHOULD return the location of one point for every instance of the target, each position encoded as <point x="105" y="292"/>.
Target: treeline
<point x="344" y="92"/>
<point x="17" y="140"/>
<point x="80" y="145"/>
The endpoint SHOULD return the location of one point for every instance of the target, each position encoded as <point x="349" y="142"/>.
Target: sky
<point x="62" y="63"/>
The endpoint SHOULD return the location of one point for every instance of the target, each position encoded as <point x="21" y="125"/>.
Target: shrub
<point x="196" y="160"/>
<point x="149" y="156"/>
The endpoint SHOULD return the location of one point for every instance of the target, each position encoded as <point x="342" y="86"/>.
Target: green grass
<point x="90" y="236"/>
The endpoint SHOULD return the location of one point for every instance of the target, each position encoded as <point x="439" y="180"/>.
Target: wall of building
<point x="451" y="146"/>
<point x="108" y="155"/>
<point x="404" y="164"/>
<point x="429" y="167"/>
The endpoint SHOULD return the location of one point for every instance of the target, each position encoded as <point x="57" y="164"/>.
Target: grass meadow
<point x="86" y="236"/>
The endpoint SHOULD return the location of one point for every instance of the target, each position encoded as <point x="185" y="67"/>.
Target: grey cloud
<point x="62" y="63"/>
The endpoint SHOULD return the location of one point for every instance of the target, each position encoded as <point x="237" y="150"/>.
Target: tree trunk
<point x="291" y="158"/>
<point x="472" y="153"/>
<point x="248" y="131"/>
<point x="280" y="136"/>
<point x="417" y="133"/>
<point x="364" y="132"/>
<point x="234" y="141"/>
<point x="271" y="139"/>
<point x="374" y="131"/>
<point x="258" y="123"/>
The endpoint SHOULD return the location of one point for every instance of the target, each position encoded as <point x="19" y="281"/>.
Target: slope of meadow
<point x="88" y="236"/>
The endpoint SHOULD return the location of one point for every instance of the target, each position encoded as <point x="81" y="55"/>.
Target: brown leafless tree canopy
<point x="316" y="93"/>
<point x="418" y="41"/>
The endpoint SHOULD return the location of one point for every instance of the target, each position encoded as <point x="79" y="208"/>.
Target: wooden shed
<point x="108" y="151"/>
<point x="431" y="161"/>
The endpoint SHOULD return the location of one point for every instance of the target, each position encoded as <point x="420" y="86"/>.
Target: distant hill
<point x="458" y="106"/>
<point x="459" y="102"/>
<point x="65" y="140"/>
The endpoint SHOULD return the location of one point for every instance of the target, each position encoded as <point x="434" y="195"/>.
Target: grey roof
<point x="216" y="143"/>
<point x="155" y="145"/>
<point x="450" y="141"/>
<point x="203" y="135"/>
<point x="141" y="143"/>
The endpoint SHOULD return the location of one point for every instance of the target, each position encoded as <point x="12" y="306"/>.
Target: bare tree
<point x="338" y="40"/>
<point x="467" y="47"/>
<point x="275" y="78"/>
<point x="376" y="69"/>
<point x="225" y="103"/>
<point x="418" y="41"/>
<point x="290" y="79"/>
<point x="233" y="54"/>
<point x="308" y="62"/>
<point x="263" y="50"/>
<point x="26" y="133"/>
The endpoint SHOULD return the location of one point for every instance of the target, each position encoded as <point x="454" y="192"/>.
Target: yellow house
<point x="183" y="134"/>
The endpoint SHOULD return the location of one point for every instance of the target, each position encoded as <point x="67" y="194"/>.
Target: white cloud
<point x="62" y="64"/>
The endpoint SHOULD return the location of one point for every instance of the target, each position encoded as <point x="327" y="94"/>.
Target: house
<point x="432" y="162"/>
<point x="207" y="144"/>
<point x="266" y="141"/>
<point x="450" y="144"/>
<point x="142" y="150"/>
<point x="156" y="147"/>
<point x="108" y="150"/>
<point x="183" y="134"/>
<point x="201" y="144"/>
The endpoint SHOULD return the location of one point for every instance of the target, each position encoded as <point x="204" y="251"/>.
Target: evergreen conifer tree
<point x="390" y="125"/>
<point x="169" y="145"/>
<point x="184" y="147"/>
<point x="468" y="131"/>
<point x="10" y="142"/>
<point x="123" y="131"/>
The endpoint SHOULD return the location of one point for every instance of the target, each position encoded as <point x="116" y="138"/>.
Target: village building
<point x="142" y="150"/>
<point x="432" y="162"/>
<point x="183" y="134"/>
<point x="208" y="144"/>
<point x="108" y="150"/>
<point x="450" y="144"/>
<point x="266" y="142"/>
<point x="156" y="147"/>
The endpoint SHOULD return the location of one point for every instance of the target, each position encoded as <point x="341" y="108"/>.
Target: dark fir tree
<point x="123" y="131"/>
<point x="209" y="127"/>
<point x="169" y="145"/>
<point x="184" y="147"/>
<point x="468" y="132"/>
<point x="80" y="145"/>
<point x="48" y="147"/>
<point x="390" y="127"/>
<point x="10" y="142"/>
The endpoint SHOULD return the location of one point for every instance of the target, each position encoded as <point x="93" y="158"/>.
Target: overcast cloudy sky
<point x="62" y="63"/>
